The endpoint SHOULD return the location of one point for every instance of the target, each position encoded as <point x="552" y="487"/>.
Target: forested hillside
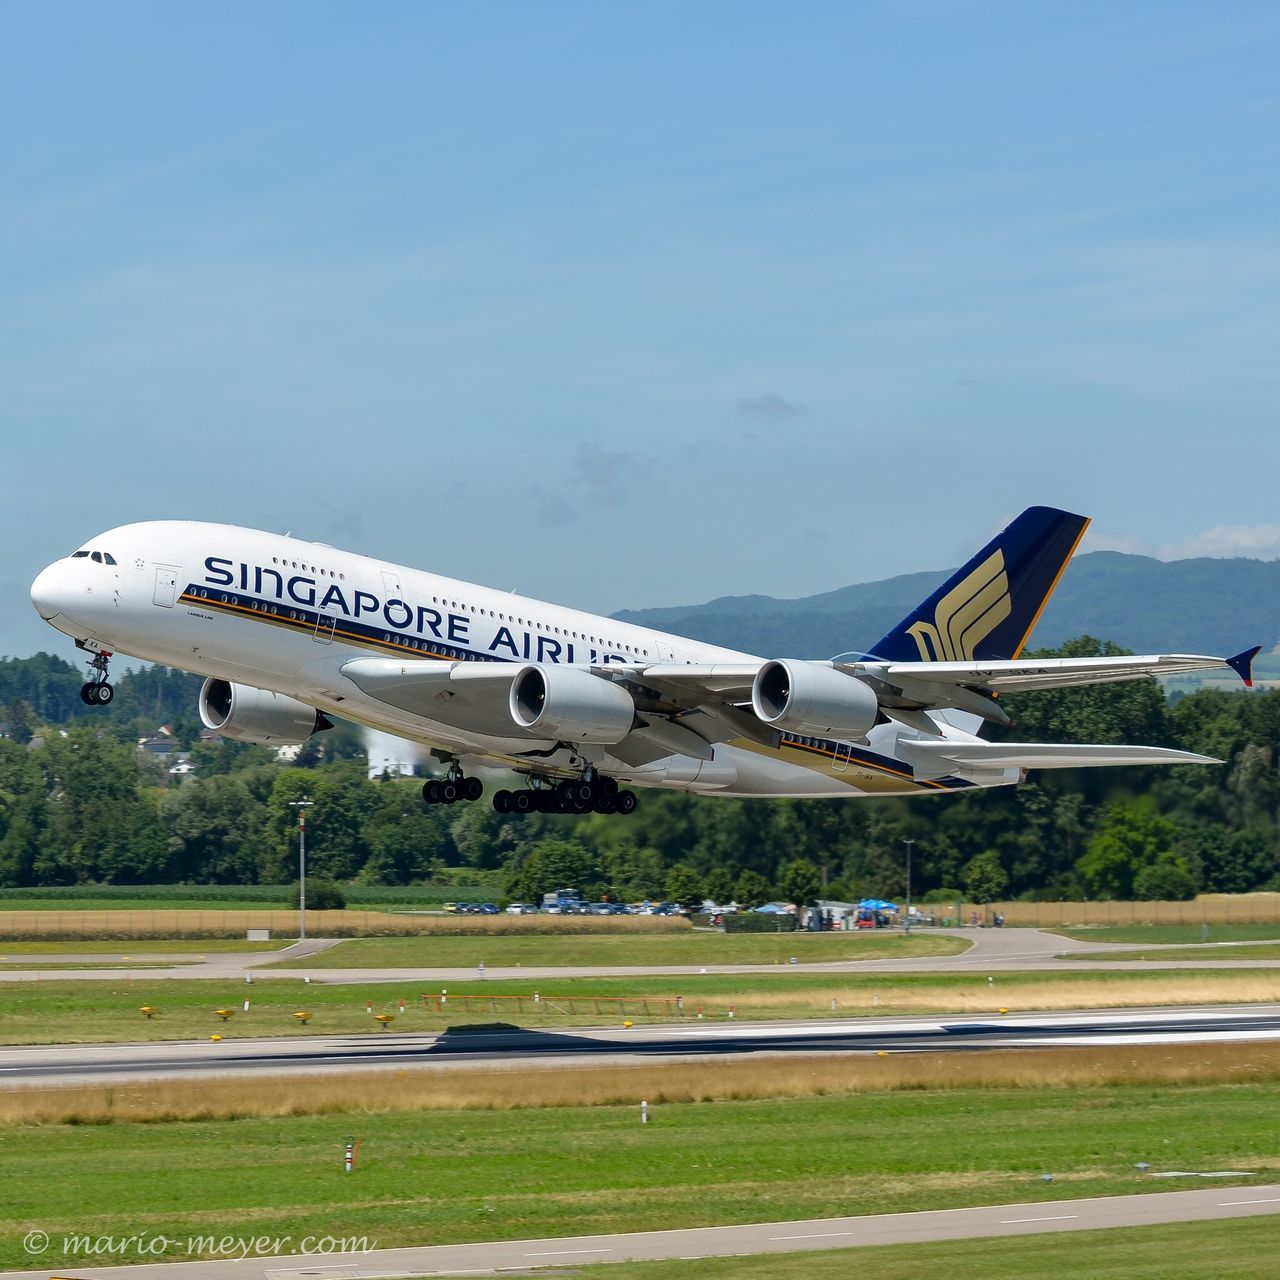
<point x="1149" y="606"/>
<point x="79" y="802"/>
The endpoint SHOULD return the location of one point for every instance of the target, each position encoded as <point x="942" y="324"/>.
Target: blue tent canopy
<point x="877" y="904"/>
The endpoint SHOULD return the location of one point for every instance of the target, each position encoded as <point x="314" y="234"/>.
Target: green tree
<point x="984" y="878"/>
<point x="684" y="887"/>
<point x="751" y="890"/>
<point x="553" y="864"/>
<point x="1133" y="836"/>
<point x="800" y="882"/>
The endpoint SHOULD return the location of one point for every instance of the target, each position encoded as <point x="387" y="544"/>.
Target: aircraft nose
<point x="48" y="592"/>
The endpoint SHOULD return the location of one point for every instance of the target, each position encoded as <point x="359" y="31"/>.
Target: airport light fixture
<point x="302" y="806"/>
<point x="908" y="843"/>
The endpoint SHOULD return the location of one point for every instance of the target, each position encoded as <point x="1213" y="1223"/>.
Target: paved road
<point x="991" y="950"/>
<point x="517" y="1047"/>
<point x="1035" y="1218"/>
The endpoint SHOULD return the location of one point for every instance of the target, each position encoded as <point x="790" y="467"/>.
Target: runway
<point x="514" y="1047"/>
<point x="507" y="1256"/>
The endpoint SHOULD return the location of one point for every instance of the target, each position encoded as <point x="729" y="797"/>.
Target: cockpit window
<point x="97" y="557"/>
<point x="108" y="558"/>
<point x="79" y="555"/>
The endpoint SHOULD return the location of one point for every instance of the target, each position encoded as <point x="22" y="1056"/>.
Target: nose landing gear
<point x="97" y="691"/>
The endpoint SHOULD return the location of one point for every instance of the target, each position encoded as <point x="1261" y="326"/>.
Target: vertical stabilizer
<point x="986" y="610"/>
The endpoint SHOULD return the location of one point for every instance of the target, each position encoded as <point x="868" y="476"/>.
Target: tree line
<point x="80" y="803"/>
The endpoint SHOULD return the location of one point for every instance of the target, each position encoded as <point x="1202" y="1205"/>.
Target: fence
<point x="1247" y="908"/>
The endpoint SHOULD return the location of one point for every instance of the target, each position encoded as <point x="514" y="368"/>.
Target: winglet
<point x="1242" y="664"/>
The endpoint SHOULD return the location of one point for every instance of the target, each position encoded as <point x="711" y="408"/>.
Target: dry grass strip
<point x="129" y="924"/>
<point x="1208" y="908"/>
<point x="428" y="1089"/>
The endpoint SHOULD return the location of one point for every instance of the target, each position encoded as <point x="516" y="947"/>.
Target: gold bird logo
<point x="966" y="615"/>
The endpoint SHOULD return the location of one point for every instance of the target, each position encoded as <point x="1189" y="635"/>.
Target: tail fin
<point x="986" y="610"/>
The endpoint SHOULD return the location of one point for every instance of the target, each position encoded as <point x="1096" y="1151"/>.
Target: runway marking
<point x="814" y="1235"/>
<point x="1058" y="1217"/>
<point x="555" y="1253"/>
<point x="1230" y="1204"/>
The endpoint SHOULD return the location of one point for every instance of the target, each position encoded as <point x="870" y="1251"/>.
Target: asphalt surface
<point x="518" y="1047"/>
<point x="990" y="950"/>
<point x="1035" y="1218"/>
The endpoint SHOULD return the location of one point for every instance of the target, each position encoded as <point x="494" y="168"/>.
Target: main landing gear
<point x="97" y="692"/>
<point x="452" y="788"/>
<point x="578" y="795"/>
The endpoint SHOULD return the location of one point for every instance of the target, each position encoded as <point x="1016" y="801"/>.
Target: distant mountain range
<point x="1149" y="606"/>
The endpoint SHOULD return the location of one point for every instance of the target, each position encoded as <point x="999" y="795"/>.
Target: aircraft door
<point x="843" y="754"/>
<point x="166" y="589"/>
<point x="325" y="623"/>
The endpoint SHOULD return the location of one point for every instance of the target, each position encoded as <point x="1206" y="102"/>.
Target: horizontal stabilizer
<point x="937" y="759"/>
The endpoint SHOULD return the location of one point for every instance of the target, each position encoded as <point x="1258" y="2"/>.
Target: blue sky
<point x="637" y="304"/>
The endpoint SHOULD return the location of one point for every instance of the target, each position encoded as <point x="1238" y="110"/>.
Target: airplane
<point x="289" y="632"/>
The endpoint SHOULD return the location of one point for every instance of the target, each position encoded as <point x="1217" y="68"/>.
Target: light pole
<point x="302" y="806"/>
<point x="908" y="843"/>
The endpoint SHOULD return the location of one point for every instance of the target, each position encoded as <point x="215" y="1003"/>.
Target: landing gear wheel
<point x="522" y="801"/>
<point x="86" y="694"/>
<point x="606" y="804"/>
<point x="472" y="788"/>
<point x="502" y="801"/>
<point x="626" y="801"/>
<point x="449" y="791"/>
<point x="101" y="694"/>
<point x="431" y="792"/>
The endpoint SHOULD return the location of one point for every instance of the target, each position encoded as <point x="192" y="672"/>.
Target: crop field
<point x="1236" y="1250"/>
<point x="683" y="947"/>
<point x="457" y="1175"/>
<point x="59" y="1010"/>
<point x="124" y="923"/>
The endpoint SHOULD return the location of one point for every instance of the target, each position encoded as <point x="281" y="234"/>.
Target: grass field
<point x="198" y="948"/>
<point x="700" y="947"/>
<point x="1225" y="954"/>
<point x="55" y="1010"/>
<point x="1174" y="934"/>
<point x="449" y="1176"/>
<point x="1241" y="1249"/>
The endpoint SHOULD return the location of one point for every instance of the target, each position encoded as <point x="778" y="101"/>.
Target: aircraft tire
<point x="626" y="802"/>
<point x="431" y="791"/>
<point x="449" y="791"/>
<point x="522" y="801"/>
<point x="502" y="801"/>
<point x="102" y="694"/>
<point x="472" y="789"/>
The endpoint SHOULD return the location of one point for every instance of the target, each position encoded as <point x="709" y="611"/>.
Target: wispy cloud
<point x="1222" y="542"/>
<point x="597" y="481"/>
<point x="771" y="405"/>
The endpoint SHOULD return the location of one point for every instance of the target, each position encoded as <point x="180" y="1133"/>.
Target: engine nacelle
<point x="571" y="704"/>
<point x="246" y="714"/>
<point x="807" y="697"/>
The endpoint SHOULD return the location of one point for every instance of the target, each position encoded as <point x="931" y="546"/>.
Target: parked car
<point x="488" y="909"/>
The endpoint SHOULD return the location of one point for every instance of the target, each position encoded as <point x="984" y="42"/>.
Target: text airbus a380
<point x="581" y="705"/>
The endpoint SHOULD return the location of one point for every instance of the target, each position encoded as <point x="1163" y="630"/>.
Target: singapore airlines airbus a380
<point x="287" y="631"/>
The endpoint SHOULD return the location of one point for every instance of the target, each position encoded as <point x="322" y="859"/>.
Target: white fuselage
<point x="278" y="613"/>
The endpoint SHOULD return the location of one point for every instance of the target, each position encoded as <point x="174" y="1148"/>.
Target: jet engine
<point x="246" y="714"/>
<point x="808" y="697"/>
<point x="572" y="704"/>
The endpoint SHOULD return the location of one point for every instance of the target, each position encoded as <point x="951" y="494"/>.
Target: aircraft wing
<point x="937" y="758"/>
<point x="1027" y="674"/>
